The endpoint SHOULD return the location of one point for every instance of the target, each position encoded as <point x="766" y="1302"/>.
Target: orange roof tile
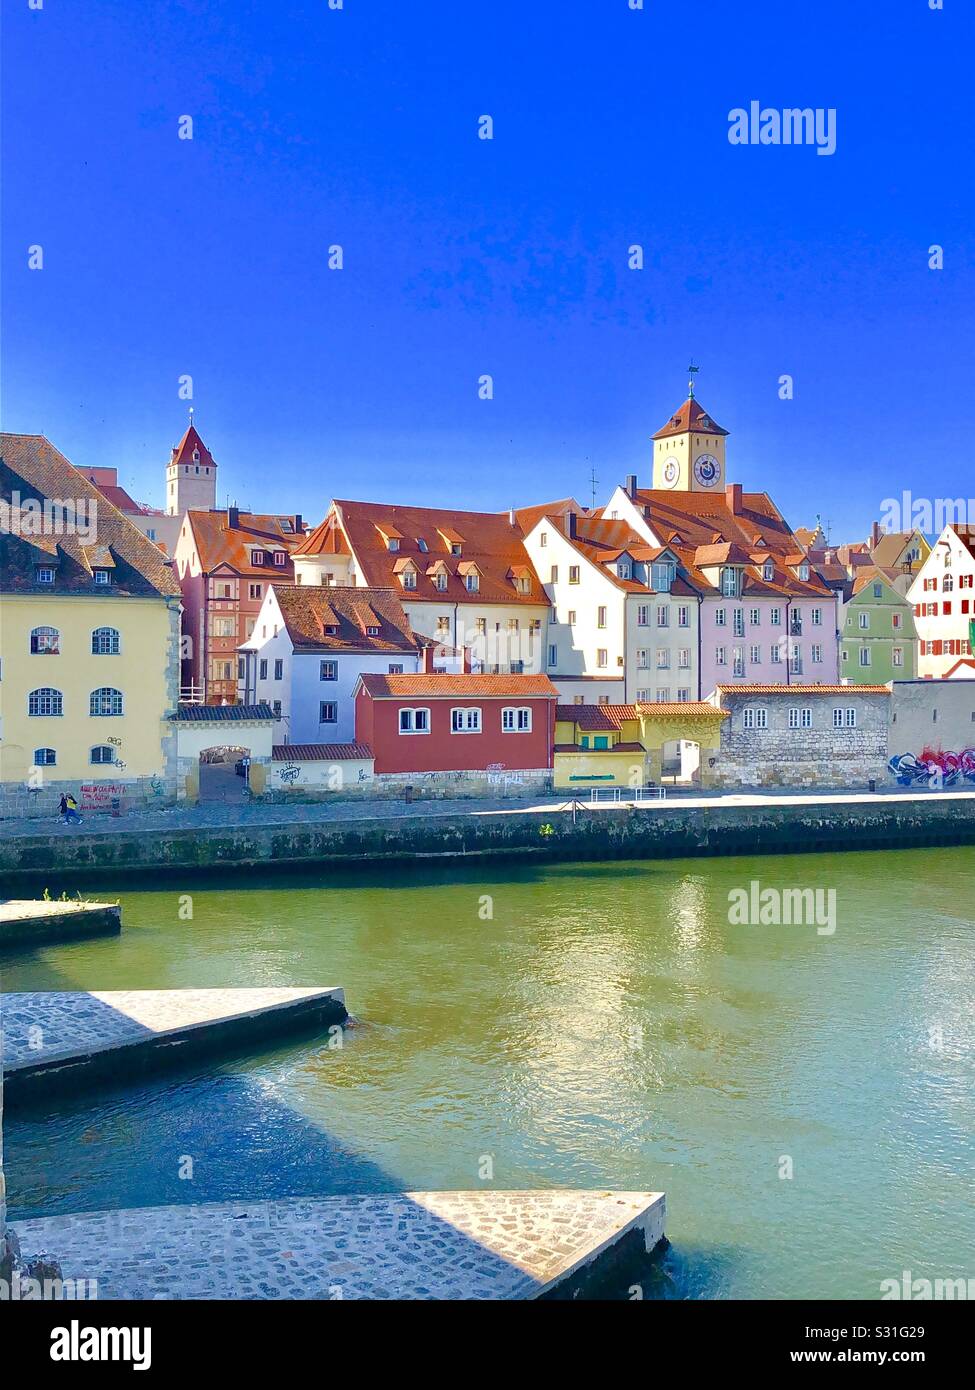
<point x="191" y="442"/>
<point x="218" y="544"/>
<point x="691" y="416"/>
<point x="308" y="610"/>
<point x="462" y="687"/>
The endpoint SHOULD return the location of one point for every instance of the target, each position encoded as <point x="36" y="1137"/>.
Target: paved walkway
<point x="217" y="814"/>
<point x="75" y="1035"/>
<point x="414" y="1245"/>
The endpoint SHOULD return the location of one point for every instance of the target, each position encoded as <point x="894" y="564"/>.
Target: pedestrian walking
<point x="71" y="816"/>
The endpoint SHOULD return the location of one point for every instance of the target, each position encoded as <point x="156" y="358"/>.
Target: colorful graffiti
<point x="933" y="767"/>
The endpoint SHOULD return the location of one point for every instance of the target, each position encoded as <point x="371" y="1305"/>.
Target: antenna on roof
<point x="692" y="372"/>
<point x="593" y="480"/>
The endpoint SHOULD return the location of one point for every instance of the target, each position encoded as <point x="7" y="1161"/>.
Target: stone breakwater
<point x="777" y="825"/>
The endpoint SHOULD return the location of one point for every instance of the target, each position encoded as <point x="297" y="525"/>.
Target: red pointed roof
<point x="183" y="452"/>
<point x="691" y="416"/>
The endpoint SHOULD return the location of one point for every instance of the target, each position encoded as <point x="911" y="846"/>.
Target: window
<point x="262" y="670"/>
<point x="754" y="616"/>
<point x="738" y="661"/>
<point x="328" y="671"/>
<point x="729" y="582"/>
<point x="643" y="615"/>
<point x="602" y="657"/>
<point x="800" y="718"/>
<point x="844" y="718"/>
<point x="392" y="543"/>
<point x="661" y="576"/>
<point x="421" y="545"/>
<point x="456" y="548"/>
<point x="255" y="590"/>
<point x="897" y="656"/>
<point x="947" y="584"/>
<point x="44" y="575"/>
<point x="804" y="573"/>
<point x="683" y="616"/>
<point x="865" y="656"/>
<point x="663" y="658"/>
<point x="739" y="622"/>
<point x="817" y="617"/>
<point x="101" y="755"/>
<point x="600" y="741"/>
<point x="553" y="655"/>
<point x="328" y="712"/>
<point x="720" y="657"/>
<point x="572" y="616"/>
<point x="684" y="658"/>
<point x="441" y="580"/>
<point x="755" y="655"/>
<point x="480" y="626"/>
<point x="573" y="574"/>
<point x="643" y="658"/>
<point x="543" y="538"/>
<point x="663" y="695"/>
<point x="278" y="669"/>
<point x="776" y="653"/>
<point x="600" y="617"/>
<point x="554" y="575"/>
<point x="768" y="571"/>
<point x="683" y="695"/>
<point x="409" y="579"/>
<point x="414" y="721"/>
<point x="240" y="668"/>
<point x="720" y="617"/>
<point x="223" y="626"/>
<point x="105" y="641"/>
<point x="102" y="576"/>
<point x="465" y="721"/>
<point x="45" y="757"/>
<point x="516" y="720"/>
<point x="105" y="702"/>
<point x="755" y="719"/>
<point x="663" y="615"/>
<point x="624" y="569"/>
<point x="864" y="621"/>
<point x="817" y="654"/>
<point x="473" y="583"/>
<point x="257" y="557"/>
<point x="276" y="709"/>
<point x="897" y="619"/>
<point x="775" y="617"/>
<point x="45" y="641"/>
<point x="280" y="558"/>
<point x="878" y="591"/>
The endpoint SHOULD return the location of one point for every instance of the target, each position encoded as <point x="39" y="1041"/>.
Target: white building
<point x="943" y="595"/>
<point x="464" y="578"/>
<point x="309" y="647"/>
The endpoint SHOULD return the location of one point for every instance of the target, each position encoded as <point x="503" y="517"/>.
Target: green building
<point x="878" y="642"/>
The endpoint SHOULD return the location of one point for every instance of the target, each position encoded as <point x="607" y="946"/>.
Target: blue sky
<point x="359" y="127"/>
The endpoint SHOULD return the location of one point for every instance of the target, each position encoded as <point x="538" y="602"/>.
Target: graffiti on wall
<point x="933" y="767"/>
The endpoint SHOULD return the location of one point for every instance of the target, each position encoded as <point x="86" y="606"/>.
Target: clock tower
<point x="688" y="453"/>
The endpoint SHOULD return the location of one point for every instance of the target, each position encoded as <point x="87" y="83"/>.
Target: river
<point x="804" y="1097"/>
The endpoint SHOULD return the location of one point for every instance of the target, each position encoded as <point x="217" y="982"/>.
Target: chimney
<point x="631" y="484"/>
<point x="875" y="534"/>
<point x="732" y="496"/>
<point x="426" y="660"/>
<point x="299" y="524"/>
<point x="233" y="517"/>
<point x="511" y="516"/>
<point x="570" y="519"/>
<point x="466" y="660"/>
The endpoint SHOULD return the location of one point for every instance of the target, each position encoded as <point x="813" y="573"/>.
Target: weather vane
<point x="692" y="372"/>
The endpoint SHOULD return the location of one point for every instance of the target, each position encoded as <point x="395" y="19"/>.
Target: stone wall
<point x="818" y="756"/>
<point x="662" y="831"/>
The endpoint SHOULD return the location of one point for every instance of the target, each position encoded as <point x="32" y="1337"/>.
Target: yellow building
<point x="89" y="636"/>
<point x="636" y="745"/>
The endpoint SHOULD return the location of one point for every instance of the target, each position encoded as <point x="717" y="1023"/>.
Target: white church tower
<point x="191" y="476"/>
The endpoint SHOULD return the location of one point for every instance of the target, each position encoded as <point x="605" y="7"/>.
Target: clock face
<point x="707" y="470"/>
<point x="671" y="472"/>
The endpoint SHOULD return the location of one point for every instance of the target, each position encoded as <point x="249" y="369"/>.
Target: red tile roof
<point x="220" y="545"/>
<point x="595" y="717"/>
<point x="802" y="689"/>
<point x="691" y="416"/>
<point x="31" y="466"/>
<point x="529" y="517"/>
<point x="462" y="687"/>
<point x="308" y="610"/>
<point x="183" y="451"/>
<point x="487" y="538"/>
<point x="319" y="752"/>
<point x="694" y="519"/>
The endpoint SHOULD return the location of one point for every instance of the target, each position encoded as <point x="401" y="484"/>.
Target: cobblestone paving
<point x="218" y="814"/>
<point x="415" y="1245"/>
<point x="41" y="1027"/>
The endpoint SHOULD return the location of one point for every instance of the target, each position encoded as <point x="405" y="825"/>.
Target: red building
<point x="456" y="723"/>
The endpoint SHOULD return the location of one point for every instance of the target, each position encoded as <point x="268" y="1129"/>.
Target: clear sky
<point x="463" y="256"/>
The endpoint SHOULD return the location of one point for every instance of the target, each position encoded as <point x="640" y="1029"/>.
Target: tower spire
<point x="692" y="372"/>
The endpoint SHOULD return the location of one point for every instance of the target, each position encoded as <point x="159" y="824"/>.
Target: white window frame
<point x="411" y="711"/>
<point x="465" y="719"/>
<point x="516" y="719"/>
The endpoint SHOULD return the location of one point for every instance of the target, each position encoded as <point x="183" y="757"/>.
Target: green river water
<point x="606" y="1027"/>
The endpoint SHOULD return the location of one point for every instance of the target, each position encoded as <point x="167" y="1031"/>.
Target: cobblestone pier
<point x="408" y="1245"/>
<point x="24" y="921"/>
<point x="55" y="1040"/>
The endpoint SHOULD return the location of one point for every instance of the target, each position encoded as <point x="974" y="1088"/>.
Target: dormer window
<point x="441" y="580"/>
<point x="196" y="456"/>
<point x="456" y="548"/>
<point x="768" y="571"/>
<point x="421" y="545"/>
<point x="372" y="630"/>
<point x="662" y="574"/>
<point x="624" y="570"/>
<point x="330" y="629"/>
<point x="102" y="576"/>
<point x="392" y="542"/>
<point x="473" y="582"/>
<point x="409" y="579"/>
<point x="280" y="557"/>
<point x="730" y="582"/>
<point x="257" y="557"/>
<point x="44" y="575"/>
<point x="804" y="573"/>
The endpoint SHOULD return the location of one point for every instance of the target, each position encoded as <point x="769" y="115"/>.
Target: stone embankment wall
<point x="638" y="833"/>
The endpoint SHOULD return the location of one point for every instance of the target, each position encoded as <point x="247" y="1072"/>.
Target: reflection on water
<point x="607" y="1027"/>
